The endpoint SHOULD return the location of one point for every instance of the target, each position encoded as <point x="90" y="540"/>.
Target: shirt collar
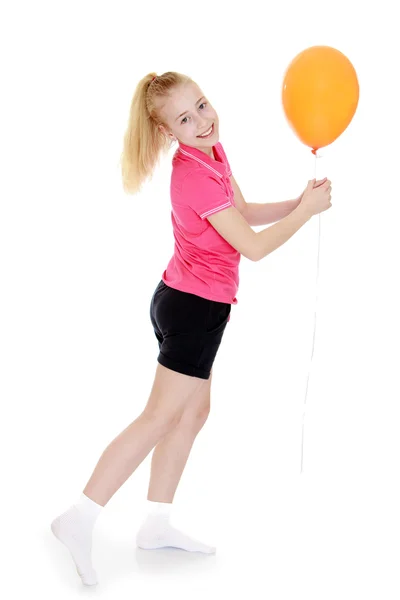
<point x="219" y="168"/>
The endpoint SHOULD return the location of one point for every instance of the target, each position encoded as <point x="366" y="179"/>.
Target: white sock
<point x="159" y="508"/>
<point x="157" y="532"/>
<point x="74" y="529"/>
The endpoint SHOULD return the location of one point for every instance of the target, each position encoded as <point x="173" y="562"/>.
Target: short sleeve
<point x="205" y="194"/>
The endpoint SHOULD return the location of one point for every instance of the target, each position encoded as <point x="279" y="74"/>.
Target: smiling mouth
<point x="208" y="133"/>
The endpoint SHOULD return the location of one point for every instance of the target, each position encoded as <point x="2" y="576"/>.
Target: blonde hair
<point x="144" y="142"/>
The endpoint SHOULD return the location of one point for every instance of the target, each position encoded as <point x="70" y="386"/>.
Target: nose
<point x="201" y="123"/>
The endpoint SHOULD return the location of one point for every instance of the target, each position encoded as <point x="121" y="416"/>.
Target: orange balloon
<point x="320" y="95"/>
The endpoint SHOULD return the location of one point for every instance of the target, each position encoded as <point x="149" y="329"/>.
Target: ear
<point x="167" y="133"/>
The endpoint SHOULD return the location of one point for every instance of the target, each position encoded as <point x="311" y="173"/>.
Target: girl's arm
<point x="262" y="214"/>
<point x="233" y="227"/>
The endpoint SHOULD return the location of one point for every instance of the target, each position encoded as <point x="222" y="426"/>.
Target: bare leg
<point x="169" y="396"/>
<point x="172" y="452"/>
<point x="168" y="462"/>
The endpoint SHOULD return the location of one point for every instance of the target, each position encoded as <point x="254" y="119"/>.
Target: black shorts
<point x="188" y="328"/>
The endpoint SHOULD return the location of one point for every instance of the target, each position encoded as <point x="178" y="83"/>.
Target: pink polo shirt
<point x="203" y="263"/>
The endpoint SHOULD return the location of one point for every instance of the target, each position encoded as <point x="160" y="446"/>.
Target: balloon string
<point x="315" y="317"/>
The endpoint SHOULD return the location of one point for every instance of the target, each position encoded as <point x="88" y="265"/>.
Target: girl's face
<point x="188" y="115"/>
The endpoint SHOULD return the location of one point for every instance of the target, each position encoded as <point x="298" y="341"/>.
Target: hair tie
<point x="154" y="78"/>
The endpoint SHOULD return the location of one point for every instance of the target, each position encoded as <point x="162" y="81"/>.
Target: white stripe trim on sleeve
<point x="214" y="210"/>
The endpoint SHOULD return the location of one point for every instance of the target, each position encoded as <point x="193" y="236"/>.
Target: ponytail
<point x="144" y="142"/>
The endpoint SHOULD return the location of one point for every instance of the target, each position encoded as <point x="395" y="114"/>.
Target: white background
<point x="80" y="260"/>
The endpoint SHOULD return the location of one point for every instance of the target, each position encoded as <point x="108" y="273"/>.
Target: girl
<point x="191" y="305"/>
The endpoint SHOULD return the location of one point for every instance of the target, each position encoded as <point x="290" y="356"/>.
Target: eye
<point x="185" y="118"/>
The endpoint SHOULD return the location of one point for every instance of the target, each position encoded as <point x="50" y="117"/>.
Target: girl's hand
<point x="316" y="184"/>
<point x="316" y="198"/>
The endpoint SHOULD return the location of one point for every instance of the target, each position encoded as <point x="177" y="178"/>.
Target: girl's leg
<point x="172" y="452"/>
<point x="168" y="462"/>
<point x="168" y="398"/>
